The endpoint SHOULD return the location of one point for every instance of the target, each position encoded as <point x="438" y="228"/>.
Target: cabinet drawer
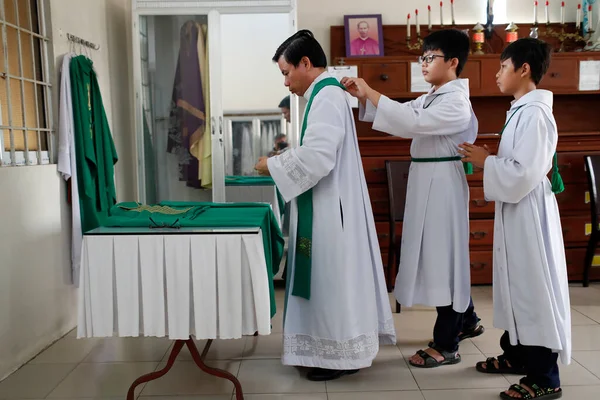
<point x="478" y="205"/>
<point x="575" y="230"/>
<point x="375" y="168"/>
<point x="562" y="74"/>
<point x="380" y="201"/>
<point x="383" y="234"/>
<point x="575" y="260"/>
<point x="386" y="78"/>
<point x="574" y="198"/>
<point x="481" y="232"/>
<point x="572" y="167"/>
<point x="481" y="267"/>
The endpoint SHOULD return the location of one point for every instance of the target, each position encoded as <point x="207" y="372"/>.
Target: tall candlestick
<point x="429" y="17"/>
<point x="408" y="26"/>
<point x="590" y="19"/>
<point x="578" y="21"/>
<point x="441" y="13"/>
<point x="417" y="23"/>
<point x="547" y="14"/>
<point x="562" y="13"/>
<point x="452" y="12"/>
<point x="535" y="6"/>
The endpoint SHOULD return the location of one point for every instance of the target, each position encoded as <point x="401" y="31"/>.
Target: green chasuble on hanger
<point x="94" y="147"/>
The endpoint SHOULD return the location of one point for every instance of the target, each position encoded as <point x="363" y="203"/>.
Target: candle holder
<point x="418" y="45"/>
<point x="533" y="33"/>
<point x="478" y="38"/>
<point x="511" y="32"/>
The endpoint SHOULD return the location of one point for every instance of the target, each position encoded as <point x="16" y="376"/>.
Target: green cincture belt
<point x="303" y="264"/>
<point x="467" y="166"/>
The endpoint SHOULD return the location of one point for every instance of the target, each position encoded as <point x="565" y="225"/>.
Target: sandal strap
<point x="539" y="391"/>
<point x="525" y="395"/>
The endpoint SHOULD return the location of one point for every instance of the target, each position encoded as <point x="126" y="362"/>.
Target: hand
<point x="476" y="155"/>
<point x="357" y="87"/>
<point x="261" y="166"/>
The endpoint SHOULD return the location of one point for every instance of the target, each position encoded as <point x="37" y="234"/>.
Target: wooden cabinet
<point x="579" y="135"/>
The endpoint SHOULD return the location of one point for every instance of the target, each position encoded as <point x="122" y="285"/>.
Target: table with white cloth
<point x="210" y="281"/>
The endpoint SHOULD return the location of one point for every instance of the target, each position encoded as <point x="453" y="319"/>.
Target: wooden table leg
<point x="198" y="359"/>
<point x="157" y="374"/>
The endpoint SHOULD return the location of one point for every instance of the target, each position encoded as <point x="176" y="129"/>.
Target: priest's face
<point x="296" y="79"/>
<point x="363" y="29"/>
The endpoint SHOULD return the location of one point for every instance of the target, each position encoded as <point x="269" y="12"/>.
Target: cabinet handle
<point x="377" y="169"/>
<point x="478" y="235"/>
<point x="555" y="75"/>
<point x="564" y="166"/>
<point x="480" y="202"/>
<point x="380" y="201"/>
<point x="478" y="266"/>
<point x="384" y="77"/>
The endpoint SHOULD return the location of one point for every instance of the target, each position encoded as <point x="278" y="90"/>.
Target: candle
<point x="408" y="26"/>
<point x="547" y="15"/>
<point x="590" y="19"/>
<point x="578" y="22"/>
<point x="417" y="23"/>
<point x="441" y="13"/>
<point x="535" y="5"/>
<point x="562" y="13"/>
<point x="452" y="12"/>
<point x="429" y="17"/>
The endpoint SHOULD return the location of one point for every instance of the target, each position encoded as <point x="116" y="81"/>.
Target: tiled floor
<point x="104" y="369"/>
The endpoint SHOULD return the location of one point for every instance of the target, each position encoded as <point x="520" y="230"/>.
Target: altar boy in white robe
<point x="434" y="258"/>
<point x="531" y="292"/>
<point x="337" y="307"/>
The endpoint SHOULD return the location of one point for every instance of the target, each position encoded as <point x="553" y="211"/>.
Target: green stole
<point x="303" y="264"/>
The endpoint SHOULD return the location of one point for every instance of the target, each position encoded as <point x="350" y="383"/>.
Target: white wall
<point x="37" y="301"/>
<point x="248" y="44"/>
<point x="314" y="16"/>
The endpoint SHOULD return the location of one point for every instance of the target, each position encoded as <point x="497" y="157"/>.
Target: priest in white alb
<point x="337" y="307"/>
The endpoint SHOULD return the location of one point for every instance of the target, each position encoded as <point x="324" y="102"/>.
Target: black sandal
<point x="472" y="332"/>
<point x="540" y="393"/>
<point x="503" y="367"/>
<point x="430" y="362"/>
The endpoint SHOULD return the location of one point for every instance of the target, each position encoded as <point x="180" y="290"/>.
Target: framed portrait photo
<point x="364" y="35"/>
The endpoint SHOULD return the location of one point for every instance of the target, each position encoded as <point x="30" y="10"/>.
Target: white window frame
<point x="27" y="157"/>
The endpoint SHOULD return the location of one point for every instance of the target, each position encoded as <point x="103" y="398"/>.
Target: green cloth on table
<point x="208" y="215"/>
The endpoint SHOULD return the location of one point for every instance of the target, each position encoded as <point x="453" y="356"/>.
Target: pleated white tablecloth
<point x="202" y="282"/>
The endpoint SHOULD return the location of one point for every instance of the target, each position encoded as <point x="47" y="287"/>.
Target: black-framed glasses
<point x="428" y="58"/>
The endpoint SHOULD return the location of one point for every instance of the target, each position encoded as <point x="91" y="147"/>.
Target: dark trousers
<point x="450" y="323"/>
<point x="539" y="362"/>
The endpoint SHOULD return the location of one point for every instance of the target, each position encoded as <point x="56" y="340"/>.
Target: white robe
<point x="348" y="314"/>
<point x="531" y="290"/>
<point x="434" y="259"/>
<point x="67" y="162"/>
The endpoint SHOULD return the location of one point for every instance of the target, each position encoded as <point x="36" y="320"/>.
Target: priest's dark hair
<point x="452" y="42"/>
<point x="530" y="51"/>
<point x="302" y="44"/>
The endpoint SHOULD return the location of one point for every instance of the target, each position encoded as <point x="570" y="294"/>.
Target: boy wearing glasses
<point x="434" y="260"/>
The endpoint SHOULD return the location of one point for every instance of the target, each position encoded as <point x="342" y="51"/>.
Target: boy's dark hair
<point x="452" y="42"/>
<point x="302" y="44"/>
<point x="285" y="103"/>
<point x="532" y="51"/>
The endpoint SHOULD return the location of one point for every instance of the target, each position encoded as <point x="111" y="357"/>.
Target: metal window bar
<point x="37" y="110"/>
<point x="46" y="76"/>
<point x="22" y="84"/>
<point x="43" y="82"/>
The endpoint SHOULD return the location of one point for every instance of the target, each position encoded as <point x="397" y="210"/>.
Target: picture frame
<point x="364" y="35"/>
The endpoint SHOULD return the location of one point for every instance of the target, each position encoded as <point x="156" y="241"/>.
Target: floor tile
<point x="385" y="374"/>
<point x="270" y="376"/>
<point x="34" y="380"/>
<point x="219" y="350"/>
<point x="185" y="378"/>
<point x="590" y="360"/>
<point x="66" y="350"/>
<point x="380" y="395"/>
<point x="102" y="380"/>
<point x="138" y="349"/>
<point x="261" y="347"/>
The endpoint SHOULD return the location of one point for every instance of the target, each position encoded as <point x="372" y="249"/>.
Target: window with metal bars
<point x="25" y="89"/>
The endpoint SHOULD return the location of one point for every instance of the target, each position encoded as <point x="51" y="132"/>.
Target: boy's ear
<point x="525" y="70"/>
<point x="454" y="63"/>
